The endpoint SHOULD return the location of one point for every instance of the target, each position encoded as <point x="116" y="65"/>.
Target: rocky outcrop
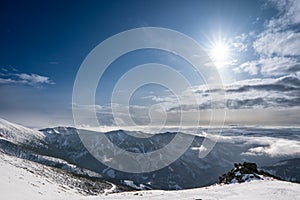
<point x="244" y="173"/>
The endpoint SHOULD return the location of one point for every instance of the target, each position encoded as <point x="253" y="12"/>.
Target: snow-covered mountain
<point x="65" y="143"/>
<point x="29" y="150"/>
<point x="32" y="181"/>
<point x="58" y="154"/>
<point x="258" y="190"/>
<point x="244" y="181"/>
<point x="18" y="134"/>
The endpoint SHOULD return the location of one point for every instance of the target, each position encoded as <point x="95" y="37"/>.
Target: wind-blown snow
<point x="265" y="189"/>
<point x="19" y="134"/>
<point x="21" y="184"/>
<point x="19" y="179"/>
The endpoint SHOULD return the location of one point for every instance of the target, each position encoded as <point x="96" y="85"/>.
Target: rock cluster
<point x="243" y="173"/>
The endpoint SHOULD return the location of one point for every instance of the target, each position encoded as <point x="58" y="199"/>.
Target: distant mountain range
<point x="61" y="148"/>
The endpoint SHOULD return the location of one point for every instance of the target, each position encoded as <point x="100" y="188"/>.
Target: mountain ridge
<point x="64" y="143"/>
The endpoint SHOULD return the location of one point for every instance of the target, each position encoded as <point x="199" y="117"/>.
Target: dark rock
<point x="243" y="172"/>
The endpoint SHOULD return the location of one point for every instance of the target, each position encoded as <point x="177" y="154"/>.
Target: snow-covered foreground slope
<point x="53" y="164"/>
<point x="254" y="190"/>
<point x="18" y="182"/>
<point x="19" y="134"/>
<point x="61" y="147"/>
<point x="22" y="180"/>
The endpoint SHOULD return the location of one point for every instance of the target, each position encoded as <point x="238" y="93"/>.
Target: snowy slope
<point x="19" y="134"/>
<point x="28" y="172"/>
<point x="17" y="182"/>
<point x="66" y="144"/>
<point x="63" y="143"/>
<point x="265" y="189"/>
<point x="22" y="180"/>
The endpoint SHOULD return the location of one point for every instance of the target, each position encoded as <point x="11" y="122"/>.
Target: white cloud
<point x="7" y="81"/>
<point x="259" y="95"/>
<point x="13" y="77"/>
<point x="200" y="149"/>
<point x="249" y="67"/>
<point x="34" y="79"/>
<point x="279" y="44"/>
<point x="289" y="14"/>
<point x="272" y="145"/>
<point x="272" y="66"/>
<point x="240" y="42"/>
<point x="279" y="66"/>
<point x="254" y="93"/>
<point x="275" y="147"/>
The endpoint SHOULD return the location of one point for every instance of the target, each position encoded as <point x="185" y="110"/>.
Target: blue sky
<point x="43" y="44"/>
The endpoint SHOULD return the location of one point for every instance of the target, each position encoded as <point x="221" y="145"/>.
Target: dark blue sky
<point x="50" y="39"/>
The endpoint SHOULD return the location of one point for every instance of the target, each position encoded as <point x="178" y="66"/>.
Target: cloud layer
<point x="278" y="44"/>
<point x="14" y="77"/>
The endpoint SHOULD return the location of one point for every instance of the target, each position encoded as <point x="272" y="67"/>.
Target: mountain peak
<point x="17" y="133"/>
<point x="244" y="172"/>
<point x="59" y="130"/>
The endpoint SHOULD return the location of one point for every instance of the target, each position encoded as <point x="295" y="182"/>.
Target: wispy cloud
<point x="266" y="93"/>
<point x="269" y="145"/>
<point x="271" y="66"/>
<point x="262" y="95"/>
<point x="34" y="79"/>
<point x="14" y="77"/>
<point x="241" y="42"/>
<point x="289" y="14"/>
<point x="274" y="147"/>
<point x="271" y="43"/>
<point x="247" y="94"/>
<point x="250" y="67"/>
<point x="277" y="46"/>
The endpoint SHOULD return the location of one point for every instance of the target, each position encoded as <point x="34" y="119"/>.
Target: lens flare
<point x="219" y="52"/>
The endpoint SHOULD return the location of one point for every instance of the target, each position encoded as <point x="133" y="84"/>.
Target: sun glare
<point x="219" y="52"/>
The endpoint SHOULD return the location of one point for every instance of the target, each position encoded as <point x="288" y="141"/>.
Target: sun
<point x="219" y="52"/>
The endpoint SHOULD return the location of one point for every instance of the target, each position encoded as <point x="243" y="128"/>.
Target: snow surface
<point x="264" y="189"/>
<point x="18" y="134"/>
<point x="19" y="180"/>
<point x="19" y="183"/>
